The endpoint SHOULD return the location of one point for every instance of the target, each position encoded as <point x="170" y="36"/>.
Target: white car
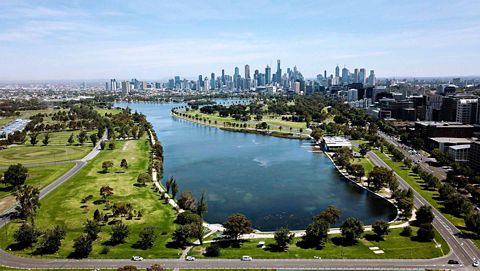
<point x="246" y="258"/>
<point x="475" y="263"/>
<point x="137" y="258"/>
<point x="190" y="258"/>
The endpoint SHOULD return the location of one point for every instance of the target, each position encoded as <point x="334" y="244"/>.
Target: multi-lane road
<point x="461" y="249"/>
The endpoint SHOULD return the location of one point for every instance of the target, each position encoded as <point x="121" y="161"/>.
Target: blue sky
<point x="158" y="39"/>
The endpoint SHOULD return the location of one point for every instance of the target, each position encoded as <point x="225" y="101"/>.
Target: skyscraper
<point x="212" y="81"/>
<point x="337" y="71"/>
<point x="362" y="75"/>
<point x="371" y="78"/>
<point x="247" y="77"/>
<point x="113" y="85"/>
<point x="355" y="76"/>
<point x="345" y="75"/>
<point x="223" y="77"/>
<point x="268" y="75"/>
<point x="325" y="74"/>
<point x="278" y="75"/>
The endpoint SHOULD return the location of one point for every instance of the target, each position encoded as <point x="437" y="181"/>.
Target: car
<point x="137" y="258"/>
<point x="190" y="258"/>
<point x="452" y="262"/>
<point x="475" y="263"/>
<point x="246" y="258"/>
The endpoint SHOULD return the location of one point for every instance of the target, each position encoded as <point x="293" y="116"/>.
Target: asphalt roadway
<point x="461" y="249"/>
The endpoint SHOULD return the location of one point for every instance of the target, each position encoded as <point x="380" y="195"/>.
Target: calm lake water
<point x="273" y="181"/>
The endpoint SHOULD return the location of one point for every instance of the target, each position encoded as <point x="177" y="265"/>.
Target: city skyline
<point x="52" y="40"/>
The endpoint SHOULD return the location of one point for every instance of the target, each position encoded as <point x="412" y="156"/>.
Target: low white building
<point x="332" y="143"/>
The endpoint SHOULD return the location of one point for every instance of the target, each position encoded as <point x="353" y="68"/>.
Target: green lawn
<point x="365" y="162"/>
<point x="417" y="183"/>
<point x="63" y="206"/>
<point x="394" y="245"/>
<point x="42" y="154"/>
<point x="39" y="176"/>
<point x="113" y="111"/>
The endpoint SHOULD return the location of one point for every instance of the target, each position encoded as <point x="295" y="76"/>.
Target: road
<point x="462" y="250"/>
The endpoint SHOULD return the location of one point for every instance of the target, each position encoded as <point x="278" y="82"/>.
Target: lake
<point x="275" y="182"/>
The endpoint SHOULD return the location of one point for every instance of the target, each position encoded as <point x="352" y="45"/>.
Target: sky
<point x="72" y="39"/>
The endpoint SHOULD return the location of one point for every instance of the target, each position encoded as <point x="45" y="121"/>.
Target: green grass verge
<point x="63" y="206"/>
<point x="395" y="246"/>
<point x="365" y="162"/>
<point x="417" y="183"/>
<point x="61" y="138"/>
<point x="42" y="154"/>
<point x="39" y="176"/>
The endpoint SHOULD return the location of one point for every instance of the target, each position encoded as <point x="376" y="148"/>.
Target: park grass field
<point x="63" y="206"/>
<point x="394" y="245"/>
<point x="42" y="154"/>
<point x="417" y="183"/>
<point x="365" y="162"/>
<point x="112" y="111"/>
<point x="39" y="176"/>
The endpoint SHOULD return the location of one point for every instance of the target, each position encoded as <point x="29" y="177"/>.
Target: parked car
<point x="475" y="263"/>
<point x="246" y="258"/>
<point x="190" y="258"/>
<point x="452" y="262"/>
<point x="137" y="258"/>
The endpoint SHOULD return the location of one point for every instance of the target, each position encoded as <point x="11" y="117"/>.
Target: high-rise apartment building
<point x="268" y="75"/>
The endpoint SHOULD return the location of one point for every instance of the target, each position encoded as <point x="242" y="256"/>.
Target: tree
<point x="364" y="148"/>
<point x="424" y="214"/>
<point x="188" y="217"/>
<point x="15" y="175"/>
<point x="331" y="214"/>
<point x="28" y="201"/>
<point x="82" y="246"/>
<point x="407" y="231"/>
<point x="33" y="139"/>
<point x="106" y="191"/>
<point x="458" y="204"/>
<point x="143" y="178"/>
<point x="380" y="177"/>
<point x="202" y="206"/>
<point x="155" y="267"/>
<point x="124" y="164"/>
<point x="236" y="225"/>
<point x="316" y="234"/>
<point x="187" y="201"/>
<point x="380" y="228"/>
<point x="46" y="139"/>
<point x="213" y="250"/>
<point x="82" y="136"/>
<point x="106" y="165"/>
<point x="94" y="139"/>
<point x="71" y="139"/>
<point x="472" y="221"/>
<point x="119" y="232"/>
<point x="283" y="237"/>
<point x="97" y="216"/>
<point x="147" y="237"/>
<point x="351" y="229"/>
<point x="127" y="268"/>
<point x="407" y="162"/>
<point x="181" y="235"/>
<point x="26" y="235"/>
<point x="168" y="184"/>
<point x="425" y="232"/>
<point x="111" y="145"/>
<point x="356" y="170"/>
<point x="102" y="144"/>
<point x="51" y="240"/>
<point x="174" y="188"/>
<point x="91" y="228"/>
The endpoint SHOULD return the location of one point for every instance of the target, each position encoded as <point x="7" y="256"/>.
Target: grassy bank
<point x="395" y="246"/>
<point x="42" y="154"/>
<point x="64" y="206"/>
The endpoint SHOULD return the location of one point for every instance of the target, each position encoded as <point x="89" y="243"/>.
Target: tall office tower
<point x="268" y="75"/>
<point x="345" y="76"/>
<point x="362" y="76"/>
<point x="256" y="79"/>
<point x="135" y="83"/>
<point x="223" y="77"/>
<point x="278" y="75"/>
<point x="125" y="87"/>
<point x="355" y="76"/>
<point x="337" y="71"/>
<point x="247" y="77"/>
<point x="212" y="81"/>
<point x="371" y="78"/>
<point x="113" y="85"/>
<point x="325" y="74"/>
<point x="236" y="78"/>
<point x="200" y="80"/>
<point x="177" y="82"/>
<point x="206" y="84"/>
<point x="106" y="86"/>
<point x="467" y="110"/>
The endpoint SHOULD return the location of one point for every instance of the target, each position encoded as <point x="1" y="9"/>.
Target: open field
<point x="417" y="183"/>
<point x="39" y="176"/>
<point x="395" y="246"/>
<point x="42" y="154"/>
<point x="64" y="206"/>
<point x="113" y="111"/>
<point x="365" y="162"/>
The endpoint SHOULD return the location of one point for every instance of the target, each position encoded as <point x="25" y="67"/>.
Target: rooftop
<point x="460" y="147"/>
<point x="443" y="124"/>
<point x="452" y="140"/>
